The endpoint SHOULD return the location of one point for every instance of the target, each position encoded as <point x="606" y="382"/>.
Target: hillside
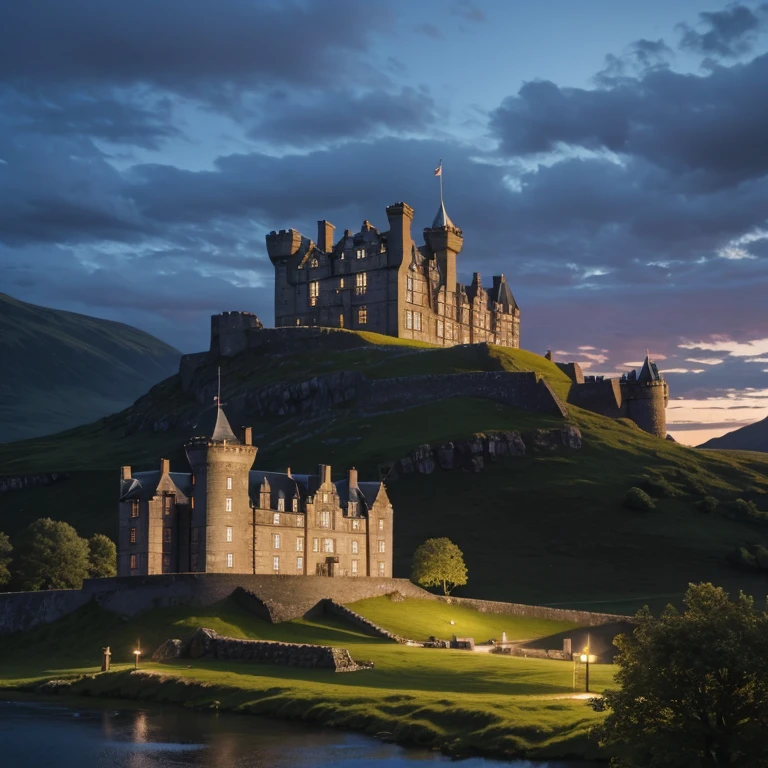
<point x="547" y="527"/>
<point x="62" y="369"/>
<point x="753" y="437"/>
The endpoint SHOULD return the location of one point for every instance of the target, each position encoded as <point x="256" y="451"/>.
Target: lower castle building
<point x="384" y="282"/>
<point x="224" y="517"/>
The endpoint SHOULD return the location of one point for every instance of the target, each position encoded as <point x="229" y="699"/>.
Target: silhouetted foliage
<point x="6" y="551"/>
<point x="102" y="557"/>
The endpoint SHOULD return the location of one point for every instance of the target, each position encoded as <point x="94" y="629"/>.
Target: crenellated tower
<point x="645" y="397"/>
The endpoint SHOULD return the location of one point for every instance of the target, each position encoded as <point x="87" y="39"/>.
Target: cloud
<point x="732" y="348"/>
<point x="705" y="360"/>
<point x="728" y="33"/>
<point x="429" y="30"/>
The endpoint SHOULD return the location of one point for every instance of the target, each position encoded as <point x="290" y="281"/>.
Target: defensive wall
<point x="282" y="597"/>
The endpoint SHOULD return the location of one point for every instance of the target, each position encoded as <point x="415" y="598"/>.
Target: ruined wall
<point x="603" y="397"/>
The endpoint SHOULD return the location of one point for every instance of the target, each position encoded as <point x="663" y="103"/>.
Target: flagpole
<point x="441" y="182"/>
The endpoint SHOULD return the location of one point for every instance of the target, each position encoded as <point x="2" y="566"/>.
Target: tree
<point x="102" y="557"/>
<point x="5" y="559"/>
<point x="439" y="562"/>
<point x="694" y="686"/>
<point x="50" y="555"/>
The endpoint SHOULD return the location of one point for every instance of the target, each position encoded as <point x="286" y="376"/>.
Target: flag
<point x="439" y="169"/>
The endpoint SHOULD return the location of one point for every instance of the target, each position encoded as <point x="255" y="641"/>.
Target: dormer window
<point x="295" y="505"/>
<point x="281" y="504"/>
<point x="352" y="507"/>
<point x="360" y="253"/>
<point x="325" y="498"/>
<point x="314" y="263"/>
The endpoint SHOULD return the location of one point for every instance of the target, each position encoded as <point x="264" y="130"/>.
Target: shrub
<point x="656" y="486"/>
<point x="751" y="557"/>
<point x="749" y="510"/>
<point x="707" y="504"/>
<point x="639" y="500"/>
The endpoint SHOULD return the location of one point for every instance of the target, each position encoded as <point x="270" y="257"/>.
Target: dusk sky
<point x="610" y="158"/>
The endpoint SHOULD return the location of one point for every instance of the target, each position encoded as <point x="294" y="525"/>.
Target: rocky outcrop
<point x="473" y="454"/>
<point x="207" y="644"/>
<point x="168" y="651"/>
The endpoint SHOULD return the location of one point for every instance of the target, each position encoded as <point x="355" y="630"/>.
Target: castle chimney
<point x="288" y="472"/>
<point x="247" y="435"/>
<point x="352" y="478"/>
<point x="325" y="235"/>
<point x="165" y="466"/>
<point x="125" y="473"/>
<point x="400" y="216"/>
<point x="324" y="470"/>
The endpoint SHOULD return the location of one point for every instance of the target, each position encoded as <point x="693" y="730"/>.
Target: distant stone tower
<point x="221" y="526"/>
<point x="645" y="397"/>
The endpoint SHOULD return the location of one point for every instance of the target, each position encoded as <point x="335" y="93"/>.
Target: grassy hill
<point x="61" y="369"/>
<point x="753" y="437"/>
<point x="546" y="528"/>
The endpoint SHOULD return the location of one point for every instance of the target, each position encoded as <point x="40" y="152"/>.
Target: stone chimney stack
<point x="324" y="470"/>
<point x="325" y="235"/>
<point x="125" y="473"/>
<point x="288" y="472"/>
<point x="247" y="435"/>
<point x="165" y="466"/>
<point x="400" y="216"/>
<point x="352" y="478"/>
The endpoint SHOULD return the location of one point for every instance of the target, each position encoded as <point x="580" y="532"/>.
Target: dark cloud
<point x="712" y="126"/>
<point x="640" y="57"/>
<point x="430" y="30"/>
<point x="339" y="115"/>
<point x="728" y="33"/>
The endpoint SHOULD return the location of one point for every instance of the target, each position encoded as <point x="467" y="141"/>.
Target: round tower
<point x="221" y="533"/>
<point x="646" y="397"/>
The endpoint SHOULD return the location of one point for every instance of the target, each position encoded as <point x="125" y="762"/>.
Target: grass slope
<point x="61" y="369"/>
<point x="545" y="528"/>
<point x="452" y="699"/>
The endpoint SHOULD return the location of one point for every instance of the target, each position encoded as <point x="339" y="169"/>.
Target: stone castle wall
<point x="646" y="404"/>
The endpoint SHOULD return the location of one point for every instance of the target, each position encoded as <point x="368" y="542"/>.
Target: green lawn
<point x="493" y="704"/>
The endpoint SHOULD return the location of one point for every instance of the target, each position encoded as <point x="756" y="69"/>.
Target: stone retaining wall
<point x="333" y="608"/>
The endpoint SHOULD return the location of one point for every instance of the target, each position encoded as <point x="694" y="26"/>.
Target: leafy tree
<point x="639" y="500"/>
<point x="102" y="557"/>
<point x="5" y="559"/>
<point x="50" y="555"/>
<point x="439" y="562"/>
<point x="694" y="686"/>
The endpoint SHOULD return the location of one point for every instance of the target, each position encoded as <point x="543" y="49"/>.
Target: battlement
<point x="283" y="244"/>
<point x="229" y="332"/>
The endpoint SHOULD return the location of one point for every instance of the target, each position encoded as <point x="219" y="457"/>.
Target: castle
<point x="383" y="282"/>
<point x="641" y="397"/>
<point x="224" y="517"/>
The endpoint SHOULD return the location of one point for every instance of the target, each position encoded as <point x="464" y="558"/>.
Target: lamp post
<point x="136" y="654"/>
<point x="585" y="659"/>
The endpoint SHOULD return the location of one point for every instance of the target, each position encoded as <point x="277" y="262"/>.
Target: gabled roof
<point x="143" y="485"/>
<point x="222" y="431"/>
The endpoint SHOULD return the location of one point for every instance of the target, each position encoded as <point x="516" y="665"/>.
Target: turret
<point x="444" y="239"/>
<point x="645" y="398"/>
<point x="283" y="244"/>
<point x="221" y="529"/>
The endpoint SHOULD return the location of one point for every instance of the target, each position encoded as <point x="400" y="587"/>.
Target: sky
<point x="611" y="159"/>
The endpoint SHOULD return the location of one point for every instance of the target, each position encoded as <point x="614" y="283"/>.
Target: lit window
<point x="325" y="498"/>
<point x="409" y="289"/>
<point x="281" y="504"/>
<point x="275" y="541"/>
<point x="354" y="567"/>
<point x="315" y="545"/>
<point x="228" y="505"/>
<point x="299" y="563"/>
<point x="341" y="282"/>
<point x="276" y="564"/>
<point x="354" y="548"/>
<point x="275" y="518"/>
<point x="132" y="536"/>
<point x="325" y="518"/>
<point x="328" y="545"/>
<point x="353" y="508"/>
<point x="314" y="292"/>
<point x="295" y="508"/>
<point x="355" y="525"/>
<point x="229" y="483"/>
<point x="314" y="263"/>
<point x="381" y="523"/>
<point x="382" y="570"/>
<point x="361" y="283"/>
<point x="166" y="535"/>
<point x="133" y="564"/>
<point x="360" y="253"/>
<point x="134" y="509"/>
<point x="409" y="319"/>
<point x="362" y="315"/>
<point x="299" y="543"/>
<point x="230" y="560"/>
<point x="417" y="321"/>
<point x="229" y="533"/>
<point x="383" y="247"/>
<point x="382" y="546"/>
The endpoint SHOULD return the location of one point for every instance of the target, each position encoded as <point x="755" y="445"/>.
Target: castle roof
<point x="143" y="485"/>
<point x="649" y="371"/>
<point x="222" y="431"/>
<point x="442" y="219"/>
<point x="501" y="293"/>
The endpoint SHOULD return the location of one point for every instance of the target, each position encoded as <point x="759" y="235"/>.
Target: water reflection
<point x="35" y="735"/>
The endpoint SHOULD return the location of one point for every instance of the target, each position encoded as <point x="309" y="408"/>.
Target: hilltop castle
<point x="224" y="517"/>
<point x="383" y="282"/>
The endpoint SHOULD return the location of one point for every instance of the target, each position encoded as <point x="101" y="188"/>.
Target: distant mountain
<point x="753" y="437"/>
<point x="60" y="369"/>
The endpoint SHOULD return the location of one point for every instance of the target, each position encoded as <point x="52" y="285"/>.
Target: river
<point x="43" y="735"/>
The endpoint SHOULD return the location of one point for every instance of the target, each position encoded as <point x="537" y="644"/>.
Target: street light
<point x="136" y="654"/>
<point x="585" y="658"/>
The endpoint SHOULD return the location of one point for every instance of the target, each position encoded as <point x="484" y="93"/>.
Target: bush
<point x="639" y="500"/>
<point x="656" y="486"/>
<point x="707" y="504"/>
<point x="752" y="557"/>
<point x="749" y="510"/>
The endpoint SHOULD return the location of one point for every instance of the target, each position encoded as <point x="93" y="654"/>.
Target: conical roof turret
<point x="442" y="219"/>
<point x="222" y="431"/>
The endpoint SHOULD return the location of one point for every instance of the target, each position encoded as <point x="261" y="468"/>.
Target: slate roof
<point x="143" y="485"/>
<point x="502" y="293"/>
<point x="441" y="218"/>
<point x="222" y="431"/>
<point x="280" y="484"/>
<point x="649" y="371"/>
